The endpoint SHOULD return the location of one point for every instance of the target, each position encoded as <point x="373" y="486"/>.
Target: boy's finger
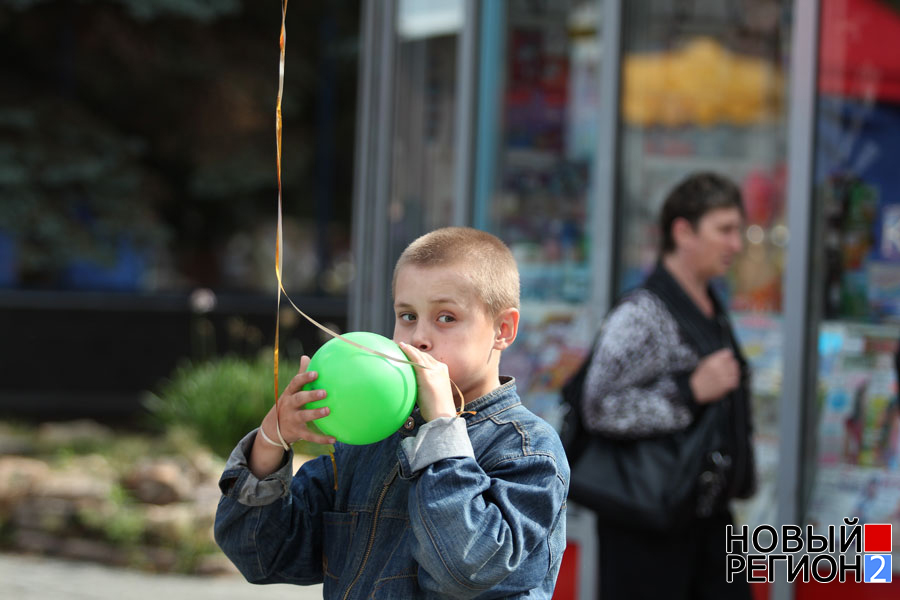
<point x="414" y="354"/>
<point x="299" y="380"/>
<point x="311" y="414"/>
<point x="316" y="438"/>
<point x="407" y="350"/>
<point x="304" y="363"/>
<point x="304" y="397"/>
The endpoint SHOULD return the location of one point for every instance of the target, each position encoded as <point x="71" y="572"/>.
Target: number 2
<point x="875" y="576"/>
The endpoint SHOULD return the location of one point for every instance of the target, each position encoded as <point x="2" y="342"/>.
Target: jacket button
<point x="410" y="423"/>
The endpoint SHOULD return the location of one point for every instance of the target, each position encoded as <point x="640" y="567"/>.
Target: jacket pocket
<point x="399" y="586"/>
<point x="399" y="576"/>
<point x="339" y="528"/>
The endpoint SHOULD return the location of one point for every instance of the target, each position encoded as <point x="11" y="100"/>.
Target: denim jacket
<point x="462" y="507"/>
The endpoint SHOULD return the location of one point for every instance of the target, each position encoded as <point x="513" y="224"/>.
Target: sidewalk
<point x="38" y="578"/>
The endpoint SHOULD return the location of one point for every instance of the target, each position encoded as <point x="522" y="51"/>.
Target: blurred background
<point x="137" y="171"/>
<point x="137" y="240"/>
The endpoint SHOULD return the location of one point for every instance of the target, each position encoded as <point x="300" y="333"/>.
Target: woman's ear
<point x="506" y="327"/>
<point x="681" y="231"/>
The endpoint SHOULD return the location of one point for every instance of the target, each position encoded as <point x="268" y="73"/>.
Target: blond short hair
<point x="483" y="258"/>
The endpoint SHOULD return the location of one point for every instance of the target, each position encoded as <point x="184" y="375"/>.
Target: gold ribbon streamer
<point x="279" y="257"/>
<point x="278" y="234"/>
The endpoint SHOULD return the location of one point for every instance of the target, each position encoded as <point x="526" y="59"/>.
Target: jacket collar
<point x="484" y="407"/>
<point x="494" y="401"/>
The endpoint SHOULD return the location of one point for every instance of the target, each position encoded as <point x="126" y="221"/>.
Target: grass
<point x="221" y="400"/>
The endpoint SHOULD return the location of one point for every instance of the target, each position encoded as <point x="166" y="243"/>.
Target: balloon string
<point x="278" y="234"/>
<point x="339" y="336"/>
<point x="279" y="261"/>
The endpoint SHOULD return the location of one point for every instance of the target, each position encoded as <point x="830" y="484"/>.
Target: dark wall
<point x="66" y="356"/>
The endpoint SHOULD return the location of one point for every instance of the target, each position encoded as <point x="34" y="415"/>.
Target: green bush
<point x="221" y="400"/>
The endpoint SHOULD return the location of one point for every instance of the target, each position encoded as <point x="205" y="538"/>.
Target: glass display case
<point x="541" y="167"/>
<point x="425" y="100"/>
<point x="857" y="208"/>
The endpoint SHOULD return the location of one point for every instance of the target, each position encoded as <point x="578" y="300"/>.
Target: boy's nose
<point x="421" y="342"/>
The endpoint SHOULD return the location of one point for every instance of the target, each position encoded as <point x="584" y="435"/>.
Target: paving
<point x="38" y="578"/>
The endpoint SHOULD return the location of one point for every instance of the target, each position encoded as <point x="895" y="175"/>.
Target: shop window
<point x="857" y="208"/>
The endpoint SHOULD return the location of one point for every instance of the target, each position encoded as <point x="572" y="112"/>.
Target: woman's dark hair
<point x="692" y="199"/>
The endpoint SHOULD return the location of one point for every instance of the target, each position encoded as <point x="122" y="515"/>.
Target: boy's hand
<point x="292" y="416"/>
<point x="435" y="397"/>
<point x="293" y="420"/>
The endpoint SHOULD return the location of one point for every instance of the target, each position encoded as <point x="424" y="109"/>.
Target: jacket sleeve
<point x="637" y="383"/>
<point x="271" y="529"/>
<point x="492" y="521"/>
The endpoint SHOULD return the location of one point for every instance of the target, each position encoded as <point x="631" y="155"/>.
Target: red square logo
<point x="877" y="537"/>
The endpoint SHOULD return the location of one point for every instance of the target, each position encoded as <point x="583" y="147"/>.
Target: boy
<point x="458" y="505"/>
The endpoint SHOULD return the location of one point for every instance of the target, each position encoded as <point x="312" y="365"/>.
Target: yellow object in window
<point x="702" y="83"/>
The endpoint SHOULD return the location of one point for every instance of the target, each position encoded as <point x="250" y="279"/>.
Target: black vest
<point x="706" y="335"/>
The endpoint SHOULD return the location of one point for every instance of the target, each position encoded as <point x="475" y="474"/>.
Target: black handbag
<point x="655" y="484"/>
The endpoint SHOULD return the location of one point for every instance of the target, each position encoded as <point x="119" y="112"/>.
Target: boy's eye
<point x="407" y="317"/>
<point x="445" y="319"/>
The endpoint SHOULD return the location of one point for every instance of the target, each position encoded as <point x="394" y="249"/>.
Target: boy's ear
<point x="506" y="327"/>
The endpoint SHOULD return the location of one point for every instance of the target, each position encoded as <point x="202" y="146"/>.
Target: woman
<point x="665" y="354"/>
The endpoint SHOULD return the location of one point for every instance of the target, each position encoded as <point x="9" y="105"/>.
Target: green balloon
<point x="369" y="397"/>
